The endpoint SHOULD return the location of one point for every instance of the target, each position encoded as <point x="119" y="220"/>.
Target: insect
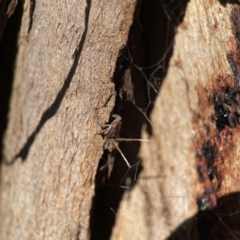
<point x="111" y="131"/>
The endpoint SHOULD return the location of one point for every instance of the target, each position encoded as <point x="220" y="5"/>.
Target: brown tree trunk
<point x="192" y="161"/>
<point x="67" y="52"/>
<point x="72" y="72"/>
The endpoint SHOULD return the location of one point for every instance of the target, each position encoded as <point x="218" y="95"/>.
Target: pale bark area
<point x="62" y="90"/>
<point x="158" y="206"/>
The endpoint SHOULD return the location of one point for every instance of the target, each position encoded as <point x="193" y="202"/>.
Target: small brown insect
<point x="111" y="132"/>
<point x="111" y="136"/>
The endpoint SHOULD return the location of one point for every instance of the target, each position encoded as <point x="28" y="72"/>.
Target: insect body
<point x="111" y="132"/>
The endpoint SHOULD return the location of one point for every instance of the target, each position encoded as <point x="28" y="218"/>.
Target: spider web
<point x="148" y="72"/>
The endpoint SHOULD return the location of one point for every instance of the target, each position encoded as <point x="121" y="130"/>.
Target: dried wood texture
<point x="62" y="89"/>
<point x="187" y="121"/>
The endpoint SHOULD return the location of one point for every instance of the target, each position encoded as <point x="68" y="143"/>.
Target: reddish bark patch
<point x="217" y="124"/>
<point x="204" y="122"/>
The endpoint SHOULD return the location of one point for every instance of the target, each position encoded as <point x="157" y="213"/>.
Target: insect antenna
<point x="119" y="150"/>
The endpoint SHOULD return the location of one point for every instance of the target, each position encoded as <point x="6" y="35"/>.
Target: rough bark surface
<point x="191" y="133"/>
<point x="62" y="89"/>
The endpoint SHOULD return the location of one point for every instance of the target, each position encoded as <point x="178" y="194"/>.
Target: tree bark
<point x="67" y="51"/>
<point x="193" y="156"/>
<point x="65" y="86"/>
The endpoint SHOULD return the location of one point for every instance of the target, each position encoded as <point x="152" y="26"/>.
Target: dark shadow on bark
<point x="7" y="8"/>
<point x="53" y="108"/>
<point x="8" y="53"/>
<point x="32" y="10"/>
<point x="221" y="222"/>
<point x="225" y="2"/>
<point x="150" y="43"/>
